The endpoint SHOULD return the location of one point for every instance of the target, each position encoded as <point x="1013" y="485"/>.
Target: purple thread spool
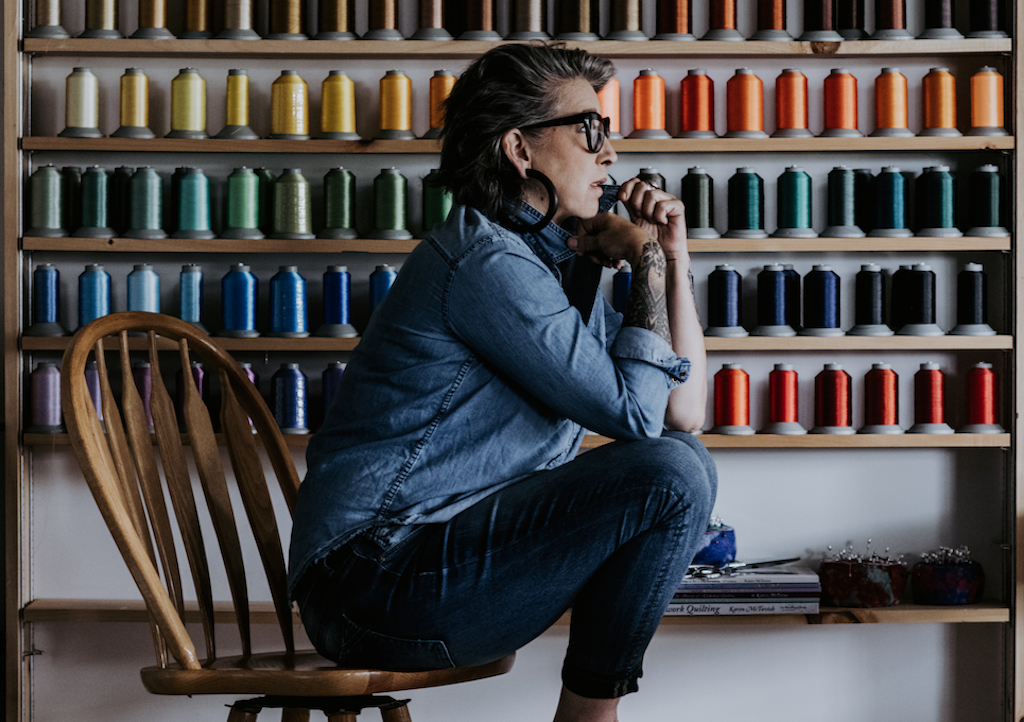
<point x="253" y="377"/>
<point x="199" y="376"/>
<point x="92" y="381"/>
<point x="143" y="375"/>
<point x="45" y="413"/>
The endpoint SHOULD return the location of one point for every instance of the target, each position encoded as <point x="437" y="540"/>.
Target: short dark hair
<point x="511" y="86"/>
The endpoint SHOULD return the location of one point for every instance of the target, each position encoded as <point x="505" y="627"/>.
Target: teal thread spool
<point x="194" y="206"/>
<point x="46" y="203"/>
<point x="390" y="201"/>
<point x="265" y="202"/>
<point x="171" y="219"/>
<point x="746" y="205"/>
<point x="699" y="199"/>
<point x="339" y="205"/>
<point x="890" y="205"/>
<point x="146" y="205"/>
<point x="437" y="202"/>
<point x="864" y="199"/>
<point x="937" y="201"/>
<point x="794" y="205"/>
<point x="243" y="217"/>
<point x="95" y="187"/>
<point x="985" y="207"/>
<point x="293" y="208"/>
<point x="71" y="183"/>
<point x="842" y="217"/>
<point x="120" y="204"/>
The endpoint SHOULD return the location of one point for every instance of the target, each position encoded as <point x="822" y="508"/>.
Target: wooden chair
<point x="121" y="467"/>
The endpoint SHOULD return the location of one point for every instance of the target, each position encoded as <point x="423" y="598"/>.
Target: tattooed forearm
<point x="647" y="305"/>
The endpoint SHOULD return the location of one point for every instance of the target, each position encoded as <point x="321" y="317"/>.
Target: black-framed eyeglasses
<point x="596" y="127"/>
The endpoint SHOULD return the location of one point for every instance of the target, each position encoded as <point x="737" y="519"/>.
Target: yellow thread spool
<point x="238" y="21"/>
<point x="48" y="21"/>
<point x="152" y="21"/>
<point x="237" y="110"/>
<point x="395" y="106"/>
<point x="939" y="104"/>
<point x="134" y="105"/>
<point x="338" y="107"/>
<point x="440" y="88"/>
<point x="289" y="107"/>
<point x="188" y="105"/>
<point x="987" y="103"/>
<point x="101" y="19"/>
<point x="197" y="20"/>
<point x="82" y="109"/>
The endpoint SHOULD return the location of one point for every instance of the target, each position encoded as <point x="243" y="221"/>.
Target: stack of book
<point x="789" y="589"/>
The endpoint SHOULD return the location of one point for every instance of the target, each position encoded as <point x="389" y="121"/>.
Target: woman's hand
<point x="657" y="212"/>
<point x="609" y="239"/>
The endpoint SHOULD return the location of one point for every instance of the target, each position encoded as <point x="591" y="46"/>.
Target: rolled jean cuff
<point x="597" y="686"/>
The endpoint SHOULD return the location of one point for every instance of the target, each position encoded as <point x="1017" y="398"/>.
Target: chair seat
<point x="304" y="673"/>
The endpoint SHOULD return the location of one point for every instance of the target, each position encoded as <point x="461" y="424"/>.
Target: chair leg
<point x="399" y="712"/>
<point x="242" y="714"/>
<point x="293" y="714"/>
<point x="341" y="717"/>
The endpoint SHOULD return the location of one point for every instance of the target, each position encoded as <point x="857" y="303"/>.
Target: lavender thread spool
<point x="45" y="413"/>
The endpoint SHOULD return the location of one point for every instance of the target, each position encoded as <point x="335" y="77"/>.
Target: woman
<point x="443" y="519"/>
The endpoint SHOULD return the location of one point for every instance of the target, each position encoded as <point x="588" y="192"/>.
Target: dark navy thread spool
<point x="92" y="382"/>
<point x="699" y="200"/>
<point x="724" y="303"/>
<point x="937" y="201"/>
<point x="652" y="177"/>
<point x="842" y="210"/>
<point x="793" y="303"/>
<point x="45" y="415"/>
<point x="381" y="280"/>
<point x="864" y="199"/>
<point x="339" y="205"/>
<point x="71" y="184"/>
<point x="920" y="303"/>
<point x="821" y="303"/>
<point x="194" y="206"/>
<point x="337" y="302"/>
<point x="143" y="289"/>
<point x="265" y="200"/>
<point x="621" y="282"/>
<point x="890" y="204"/>
<point x="898" y="305"/>
<point x="46" y="302"/>
<point x="199" y="378"/>
<point x="972" y="302"/>
<point x="146" y="205"/>
<point x="986" y="203"/>
<point x="174" y="200"/>
<point x="288" y="394"/>
<point x="93" y="293"/>
<point x="95" y="204"/>
<point x="190" y="292"/>
<point x="288" y="315"/>
<point x="330" y="381"/>
<point x="869" y="303"/>
<point x="988" y="18"/>
<point x="238" y="293"/>
<point x="120" y="200"/>
<point x="46" y="203"/>
<point x="794" y="205"/>
<point x="771" y="303"/>
<point x="746" y="205"/>
<point x="143" y="375"/>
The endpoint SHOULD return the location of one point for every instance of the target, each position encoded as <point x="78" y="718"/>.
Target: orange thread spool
<point x="981" y="401"/>
<point x="744" y="105"/>
<point x="939" y="103"/>
<point x="771" y="21"/>
<point x="832" y="411"/>
<point x="649" y="106"/>
<point x="840" y="105"/>
<point x="732" y="401"/>
<point x="987" y="103"/>
<point x="675" y="20"/>
<point x="782" y="402"/>
<point x="891" y="113"/>
<point x="722" y="21"/>
<point x="881" y="401"/>
<point x="608" y="97"/>
<point x="929" y="405"/>
<point x="697" y="105"/>
<point x="791" y="105"/>
<point x="441" y="84"/>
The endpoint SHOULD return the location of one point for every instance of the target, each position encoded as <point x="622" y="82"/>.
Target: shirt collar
<point x="550" y="240"/>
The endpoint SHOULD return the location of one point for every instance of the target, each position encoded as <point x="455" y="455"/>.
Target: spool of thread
<point x="390" y="204"/>
<point x="821" y="302"/>
<point x="771" y="303"/>
<point x="441" y="84"/>
<point x="985" y="203"/>
<point x="144" y="289"/>
<point x="833" y="413"/>
<point x="82" y="105"/>
<point x="722" y="21"/>
<point x="243" y="218"/>
<point x="71" y="190"/>
<point x="864" y="199"/>
<point x="46" y="302"/>
<point x="395" y="106"/>
<point x="649" y="106"/>
<point x="675" y="20"/>
<point x="929" y="402"/>
<point x="939" y="17"/>
<point x="981" y="401"/>
<point x="146" y="205"/>
<point x="194" y="206"/>
<point x="286" y="20"/>
<point x="174" y="198"/>
<point x="791" y="105"/>
<point x="152" y="21"/>
<point x="92" y="382"/>
<point x="190" y="290"/>
<point x="198" y="378"/>
<point x="869" y="294"/>
<point x="698" y="197"/>
<point x="794" y="205"/>
<point x="437" y="202"/>
<point x="337" y="301"/>
<point x="919" y="308"/>
<point x="771" y="21"/>
<point x="338" y="107"/>
<point x="850" y="19"/>
<point x="732" y="401"/>
<point x="134" y="113"/>
<point x="238" y="292"/>
<point x="197" y="20"/>
<point x="381" y="280"/>
<point x="143" y="375"/>
<point x="697" y="105"/>
<point x="528" y="19"/>
<point x="881" y="401"/>
<point x="891" y="20"/>
<point x="744" y="105"/>
<point x="93" y="294"/>
<point x="972" y="302"/>
<point x="988" y="19"/>
<point x="238" y="21"/>
<point x="265" y="204"/>
<point x="724" y="303"/>
<point x="793" y="303"/>
<point x="900" y="289"/>
<point x="237" y="111"/>
<point x="891" y="114"/>
<point x="432" y="21"/>
<point x="939" y="104"/>
<point x="479" y="19"/>
<point x="293" y="206"/>
<point x="746" y="205"/>
<point x="987" y="103"/>
<point x="45" y="415"/>
<point x="383" y="21"/>
<point x="608" y="97"/>
<point x="95" y="202"/>
<point x="337" y="21"/>
<point x="626" y="21"/>
<point x="820" y="22"/>
<point x="652" y="177"/>
<point x="577" y="20"/>
<point x="782" y="402"/>
<point x="288" y="314"/>
<point x="621" y="282"/>
<point x="188" y="105"/>
<point x="840" y="105"/>
<point x="101" y="20"/>
<point x="339" y="205"/>
<point x="289" y="107"/>
<point x="937" y="203"/>
<point x="46" y="203"/>
<point x="330" y="382"/>
<point x="288" y="393"/>
<point x="48" y="21"/>
<point x="890" y="205"/>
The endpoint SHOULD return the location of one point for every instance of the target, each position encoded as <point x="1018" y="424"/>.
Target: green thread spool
<point x="293" y="209"/>
<point x="794" y="205"/>
<point x="171" y="214"/>
<point x="146" y="205"/>
<point x="842" y="219"/>
<point x="119" y="200"/>
<point x="95" y="199"/>
<point x="864" y="199"/>
<point x="937" y="203"/>
<point x="390" y="201"/>
<point x="71" y="183"/>
<point x="46" y="203"/>
<point x="746" y="205"/>
<point x="699" y="199"/>
<point x="243" y="205"/>
<point x="265" y="203"/>
<point x="339" y="205"/>
<point x="986" y="203"/>
<point x="194" y="206"/>
<point x="437" y="202"/>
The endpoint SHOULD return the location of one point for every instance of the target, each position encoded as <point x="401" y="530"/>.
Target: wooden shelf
<point x="263" y="343"/>
<point x="917" y="244"/>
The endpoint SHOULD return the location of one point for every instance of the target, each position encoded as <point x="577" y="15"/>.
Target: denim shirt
<point x="474" y="372"/>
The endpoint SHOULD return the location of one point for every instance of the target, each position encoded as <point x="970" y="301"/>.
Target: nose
<point x="607" y="155"/>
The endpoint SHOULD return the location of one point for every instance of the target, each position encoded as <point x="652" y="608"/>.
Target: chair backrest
<point x="120" y="463"/>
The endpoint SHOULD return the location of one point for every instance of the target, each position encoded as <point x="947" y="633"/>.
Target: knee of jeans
<point x="693" y="471"/>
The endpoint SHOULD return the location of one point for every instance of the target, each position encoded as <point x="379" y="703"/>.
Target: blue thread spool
<point x="288" y="396"/>
<point x="337" y="298"/>
<point x="194" y="206"/>
<point x="381" y="281"/>
<point x="190" y="285"/>
<point x="890" y="204"/>
<point x="46" y="302"/>
<point x="238" y="291"/>
<point x="972" y="302"/>
<point x="331" y="380"/>
<point x="288" y="317"/>
<point x="144" y="289"/>
<point x="724" y="303"/>
<point x="621" y="282"/>
<point x="919" y="297"/>
<point x="821" y="303"/>
<point x="771" y="303"/>
<point x="793" y="304"/>
<point x="92" y="382"/>
<point x="146" y="191"/>
<point x="93" y="293"/>
<point x="45" y="412"/>
<point x="869" y="293"/>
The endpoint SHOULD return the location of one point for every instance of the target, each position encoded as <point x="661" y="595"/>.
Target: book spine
<point x="729" y="608"/>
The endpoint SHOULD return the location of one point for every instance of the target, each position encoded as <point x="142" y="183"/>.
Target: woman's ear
<point x="514" y="145"/>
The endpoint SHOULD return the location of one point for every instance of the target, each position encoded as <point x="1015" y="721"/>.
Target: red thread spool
<point x="791" y="105"/>
<point x="832" y="411"/>
<point x="891" y="104"/>
<point x="840" y="105"/>
<point x="697" y="105"/>
<point x="744" y="105"/>
<point x="732" y="401"/>
<point x="782" y="402"/>
<point x="649" y="106"/>
<point x="929" y="404"/>
<point x="675" y="20"/>
<point x="771" y="21"/>
<point x="981" y="401"/>
<point x="881" y="401"/>
<point x="608" y="97"/>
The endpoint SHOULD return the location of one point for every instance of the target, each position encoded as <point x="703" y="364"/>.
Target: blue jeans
<point x="609" y="534"/>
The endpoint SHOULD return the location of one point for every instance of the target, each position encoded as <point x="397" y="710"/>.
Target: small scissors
<point x="710" y="571"/>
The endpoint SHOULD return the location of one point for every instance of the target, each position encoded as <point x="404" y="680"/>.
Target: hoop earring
<point x="507" y="221"/>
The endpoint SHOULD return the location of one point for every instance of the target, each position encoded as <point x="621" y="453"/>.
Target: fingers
<point x="645" y="202"/>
